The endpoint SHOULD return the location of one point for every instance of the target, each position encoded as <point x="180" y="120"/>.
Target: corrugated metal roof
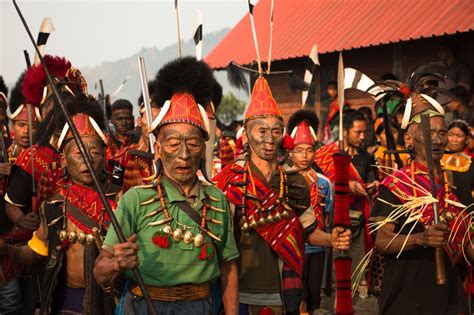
<point x="337" y="25"/>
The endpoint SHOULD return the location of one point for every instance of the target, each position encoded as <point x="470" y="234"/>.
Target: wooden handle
<point x="439" y="265"/>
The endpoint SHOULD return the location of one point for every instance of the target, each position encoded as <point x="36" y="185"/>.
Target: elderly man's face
<point x="181" y="148"/>
<point x="439" y="138"/>
<point x="264" y="136"/>
<point x="76" y="166"/>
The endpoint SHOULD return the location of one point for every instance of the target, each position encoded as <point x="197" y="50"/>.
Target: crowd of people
<point x="174" y="213"/>
<point x="256" y="238"/>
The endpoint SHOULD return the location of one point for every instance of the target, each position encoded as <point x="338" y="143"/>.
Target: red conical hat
<point x="21" y="113"/>
<point x="86" y="126"/>
<point x="303" y="134"/>
<point x="262" y="103"/>
<point x="182" y="108"/>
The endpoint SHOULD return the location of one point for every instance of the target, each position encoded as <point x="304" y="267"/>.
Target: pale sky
<point x="91" y="32"/>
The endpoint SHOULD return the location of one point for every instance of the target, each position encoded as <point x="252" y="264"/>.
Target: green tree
<point x="230" y="108"/>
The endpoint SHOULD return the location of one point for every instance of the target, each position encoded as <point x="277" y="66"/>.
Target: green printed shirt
<point x="179" y="263"/>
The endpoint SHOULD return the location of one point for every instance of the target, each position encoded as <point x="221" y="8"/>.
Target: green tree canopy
<point x="230" y="109"/>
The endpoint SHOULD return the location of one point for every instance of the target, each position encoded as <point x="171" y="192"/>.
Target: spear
<point x="342" y="161"/>
<point x="87" y="160"/>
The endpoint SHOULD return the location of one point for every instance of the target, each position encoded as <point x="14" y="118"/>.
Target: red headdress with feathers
<point x="35" y="82"/>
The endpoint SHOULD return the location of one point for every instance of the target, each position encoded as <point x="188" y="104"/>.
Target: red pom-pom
<point x="35" y="78"/>
<point x="404" y="90"/>
<point x="287" y="143"/>
<point x="161" y="239"/>
<point x="206" y="252"/>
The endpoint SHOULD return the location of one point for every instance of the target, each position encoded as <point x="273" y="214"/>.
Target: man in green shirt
<point x="178" y="228"/>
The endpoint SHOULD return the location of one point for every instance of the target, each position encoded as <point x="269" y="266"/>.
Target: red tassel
<point x="343" y="286"/>
<point x="404" y="90"/>
<point x="161" y="239"/>
<point x="206" y="252"/>
<point x="288" y="143"/>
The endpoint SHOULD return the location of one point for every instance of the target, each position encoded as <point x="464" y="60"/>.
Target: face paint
<point x="180" y="147"/>
<point x="75" y="164"/>
<point x="438" y="138"/>
<point x="122" y="119"/>
<point x="265" y="136"/>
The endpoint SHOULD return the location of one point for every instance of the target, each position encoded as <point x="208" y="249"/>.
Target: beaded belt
<point x="185" y="292"/>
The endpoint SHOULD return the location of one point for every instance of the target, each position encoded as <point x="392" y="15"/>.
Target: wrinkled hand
<point x="434" y="235"/>
<point x="357" y="189"/>
<point x="29" y="222"/>
<point x="341" y="238"/>
<point x="5" y="169"/>
<point x="126" y="254"/>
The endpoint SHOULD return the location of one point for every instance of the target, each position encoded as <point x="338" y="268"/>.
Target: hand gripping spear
<point x="342" y="161"/>
<point x="87" y="160"/>
<point x="426" y="129"/>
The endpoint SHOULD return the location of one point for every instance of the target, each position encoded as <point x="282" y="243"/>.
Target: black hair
<point x="303" y="115"/>
<point x="366" y="111"/>
<point x="350" y="116"/>
<point x="331" y="83"/>
<point x="122" y="104"/>
<point x="55" y="119"/>
<point x="461" y="124"/>
<point x="461" y="94"/>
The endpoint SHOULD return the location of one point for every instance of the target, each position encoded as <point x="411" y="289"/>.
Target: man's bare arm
<point x="388" y="242"/>
<point x="230" y="287"/>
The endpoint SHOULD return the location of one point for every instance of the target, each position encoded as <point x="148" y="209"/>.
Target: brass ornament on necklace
<point x="73" y="237"/>
<point x="264" y="214"/>
<point x="182" y="233"/>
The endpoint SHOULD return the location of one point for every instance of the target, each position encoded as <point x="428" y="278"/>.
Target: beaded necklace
<point x="163" y="237"/>
<point x="249" y="223"/>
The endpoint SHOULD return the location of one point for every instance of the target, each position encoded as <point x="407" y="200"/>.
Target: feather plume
<point x="35" y="77"/>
